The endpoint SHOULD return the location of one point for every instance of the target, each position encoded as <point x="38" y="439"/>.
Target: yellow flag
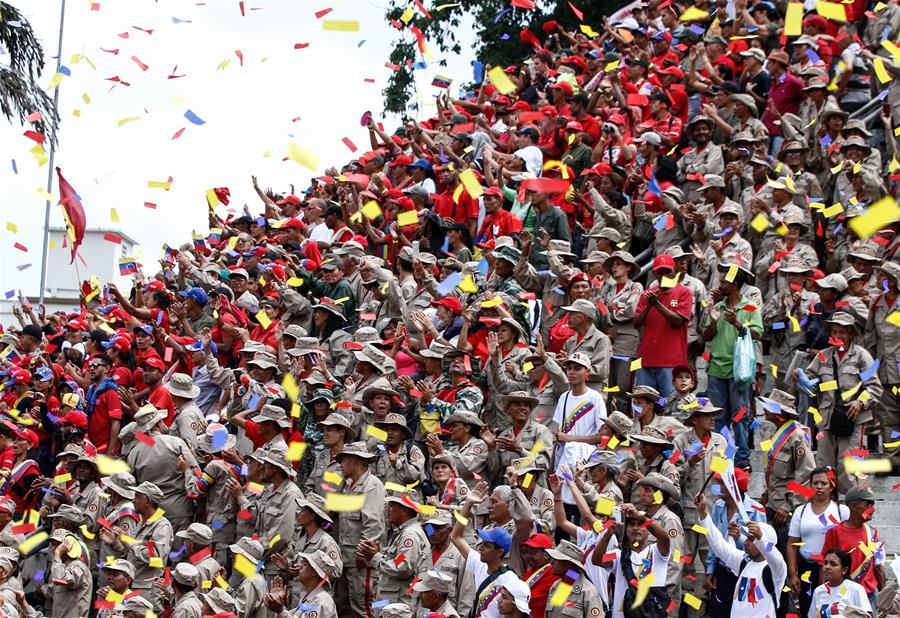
<point x="832" y="10"/>
<point x="470" y="182"/>
<point x="793" y="20"/>
<point x="501" y="80"/>
<point x="407" y="217"/>
<point x="379" y="434"/>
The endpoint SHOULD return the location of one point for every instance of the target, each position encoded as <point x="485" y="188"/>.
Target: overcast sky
<point x="313" y="96"/>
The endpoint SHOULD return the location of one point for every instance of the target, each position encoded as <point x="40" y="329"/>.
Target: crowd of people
<point x="519" y="359"/>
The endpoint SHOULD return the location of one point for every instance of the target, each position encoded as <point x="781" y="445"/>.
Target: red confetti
<point x="95" y="6"/>
<point x="577" y="12"/>
<point x="349" y="144"/>
<point x="137" y="61"/>
<point x="114" y="52"/>
<point x="417" y="394"/>
<point x="422" y="8"/>
<point x="369" y="80"/>
<point x="797" y="488"/>
<point x="343" y="404"/>
<point x="200" y="555"/>
<point x="301" y="45"/>
<point x="240" y="56"/>
<point x="748" y="308"/>
<point x="399" y="559"/>
<point x="392" y="66"/>
<point x="176" y="136"/>
<point x="608" y="557"/>
<point x="151" y="204"/>
<point x="23" y="529"/>
<point x="674" y="458"/>
<point x="113" y="238"/>
<point x="124" y="35"/>
<point x="21" y="247"/>
<point x="241" y="6"/>
<point x="149" y="32"/>
<point x="323" y="13"/>
<point x="739" y="415"/>
<point x="34" y="135"/>
<point x="523" y="4"/>
<point x="244" y="514"/>
<point x="145" y="439"/>
<point x="672" y="602"/>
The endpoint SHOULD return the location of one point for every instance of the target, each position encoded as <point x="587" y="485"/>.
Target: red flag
<point x="73" y="211"/>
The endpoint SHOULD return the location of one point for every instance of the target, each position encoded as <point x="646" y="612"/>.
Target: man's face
<point x="331" y="276"/>
<point x="683" y="382"/>
<point x="575" y="374"/>
<point x="701" y="133"/>
<point x="238" y="284"/>
<point x="151" y="375"/>
<point x="380" y="404"/>
<point x="519" y="411"/>
<point x="492" y="204"/>
<point x="332" y="435"/>
<point x="448" y="176"/>
<point x="727" y="221"/>
<point x="97" y="370"/>
<point x="498" y="508"/>
<point x="580" y="290"/>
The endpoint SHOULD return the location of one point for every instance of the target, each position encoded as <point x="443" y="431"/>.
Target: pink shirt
<point x="786" y="93"/>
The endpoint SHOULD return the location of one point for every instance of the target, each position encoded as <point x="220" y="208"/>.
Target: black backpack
<point x="657" y="601"/>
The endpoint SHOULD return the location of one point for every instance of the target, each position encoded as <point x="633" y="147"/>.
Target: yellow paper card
<point x="831" y="385"/>
<point x="459" y="518"/>
<point x="299" y="154"/>
<point x="296" y="450"/>
<point x="699" y="529"/>
<point x="407" y="217"/>
<point x="731" y="274"/>
<point x="692" y="600"/>
<point x="719" y="465"/>
<point x="643" y="588"/>
<point x="501" y="80"/>
<point x="32" y="541"/>
<point x="332" y="477"/>
<point x="876" y="217"/>
<point x="563" y="590"/>
<point x="832" y="10"/>
<point x="263" y="319"/>
<point x="371" y="210"/>
<point x="107" y="465"/>
<point x="760" y="222"/>
<point x="244" y="566"/>
<point x="692" y="13"/>
<point x="867" y="466"/>
<point x="636" y="364"/>
<point x="604" y="506"/>
<point x="470" y="182"/>
<point x="337" y="25"/>
<point x="793" y="20"/>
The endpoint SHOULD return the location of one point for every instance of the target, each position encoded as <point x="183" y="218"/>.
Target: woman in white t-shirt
<point x="837" y="590"/>
<point x="806" y="534"/>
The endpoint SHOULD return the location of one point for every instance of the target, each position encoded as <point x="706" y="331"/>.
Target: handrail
<point x="649" y="265"/>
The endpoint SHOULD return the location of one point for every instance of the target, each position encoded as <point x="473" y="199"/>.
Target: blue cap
<point x="423" y="163"/>
<point x="197" y="294"/>
<point x="499" y="537"/>
<point x="44" y="373"/>
<point x="147" y="328"/>
<point x="197" y="346"/>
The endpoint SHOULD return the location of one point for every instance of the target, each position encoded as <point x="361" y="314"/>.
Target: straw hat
<point x="182" y="385"/>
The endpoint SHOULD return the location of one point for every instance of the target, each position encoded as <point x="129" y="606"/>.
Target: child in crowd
<point x="684" y="382"/>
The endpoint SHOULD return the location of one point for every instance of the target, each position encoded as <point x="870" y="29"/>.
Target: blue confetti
<point x="885" y="33"/>
<point x="882" y="95"/>
<point x="251" y="403"/>
<point x="502" y="13"/>
<point x="15" y="168"/>
<point x="754" y="423"/>
<point x="39" y="576"/>
<point x="778" y="326"/>
<point x="175" y="20"/>
<point x="194" y="118"/>
<point x="826" y="140"/>
<point x="361" y="43"/>
<point x="813" y="56"/>
<point x="380" y="603"/>
<point x="697" y="30"/>
<point x="219" y="438"/>
<point x="870" y="371"/>
<point x="724" y="232"/>
<point x="10" y="294"/>
<point x="65" y="71"/>
<point x="24" y="266"/>
<point x="175" y="554"/>
<point x="505" y="37"/>
<point x="216" y="525"/>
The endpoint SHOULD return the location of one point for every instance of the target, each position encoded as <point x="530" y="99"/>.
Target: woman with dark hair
<point x="20" y="484"/>
<point x="124" y="362"/>
<point x="154" y="308"/>
<point x="806" y="534"/>
<point x="328" y="328"/>
<point x="648" y="412"/>
<point x="837" y="586"/>
<point x="460" y="241"/>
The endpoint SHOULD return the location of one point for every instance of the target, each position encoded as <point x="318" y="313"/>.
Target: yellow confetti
<point x="39" y="155"/>
<point x="43" y="193"/>
<point x="12" y="227"/>
<point x="158" y="184"/>
<point x="342" y="503"/>
<point x="337" y="25"/>
<point x="760" y="222"/>
<point x="831" y="385"/>
<point x="866" y="466"/>
<point x="59" y="479"/>
<point x="300" y="155"/>
<point x="731" y="274"/>
<point x="467" y="285"/>
<point x="717" y="464"/>
<point x="244" y="566"/>
<point x="699" y="529"/>
<point x="636" y="364"/>
<point x="561" y="595"/>
<point x="379" y="434"/>
<point x="692" y="13"/>
<point x="295" y="282"/>
<point x="155" y="563"/>
<point x="462" y="521"/>
<point x="390" y="486"/>
<point x="692" y="600"/>
<point x="332" y="477"/>
<point x="879" y="215"/>
<point x="263" y="319"/>
<point x="114" y="215"/>
<point x="881" y="72"/>
<point x="296" y="450"/>
<point x="643" y="588"/>
<point x="107" y="465"/>
<point x="55" y="81"/>
<point x="805" y="576"/>
<point x="657" y="497"/>
<point x="588" y="31"/>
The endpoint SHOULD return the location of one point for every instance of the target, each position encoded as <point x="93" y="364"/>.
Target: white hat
<point x="520" y="592"/>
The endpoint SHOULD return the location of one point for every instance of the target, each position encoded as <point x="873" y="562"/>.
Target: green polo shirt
<point x="721" y="346"/>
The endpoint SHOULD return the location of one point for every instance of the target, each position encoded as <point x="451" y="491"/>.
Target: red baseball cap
<point x="520" y="106"/>
<point x="77" y="324"/>
<point x="154" y="361"/>
<point x="401" y="160"/>
<point x="293" y="222"/>
<point x="500" y="100"/>
<point x="539" y="541"/>
<point x="450" y="302"/>
<point x="290" y="199"/>
<point x="574" y="126"/>
<point x="743" y="479"/>
<point x="74" y="417"/>
<point x="564" y="86"/>
<point x="663" y="260"/>
<point x="29" y="435"/>
<point x="495" y="191"/>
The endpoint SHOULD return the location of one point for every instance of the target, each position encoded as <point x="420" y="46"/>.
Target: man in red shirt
<point x="452" y="206"/>
<point x="865" y="567"/>
<point x="104" y="408"/>
<point x="498" y="222"/>
<point x="665" y="313"/>
<point x="785" y="95"/>
<point x="157" y="396"/>
<point x="539" y="576"/>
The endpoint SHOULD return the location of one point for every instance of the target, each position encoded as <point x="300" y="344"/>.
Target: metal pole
<point x="62" y="18"/>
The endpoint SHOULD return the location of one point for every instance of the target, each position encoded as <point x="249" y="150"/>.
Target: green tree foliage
<point x="443" y="35"/>
<point x="20" y="92"/>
